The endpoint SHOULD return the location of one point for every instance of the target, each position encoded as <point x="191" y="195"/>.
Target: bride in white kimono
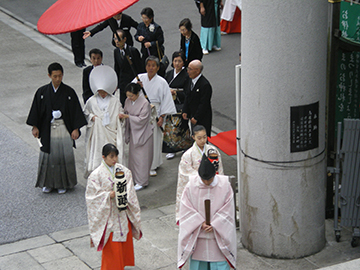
<point x="102" y="113"/>
<point x="190" y="162"/>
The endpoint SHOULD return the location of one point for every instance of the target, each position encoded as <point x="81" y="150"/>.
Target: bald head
<point x="195" y="68"/>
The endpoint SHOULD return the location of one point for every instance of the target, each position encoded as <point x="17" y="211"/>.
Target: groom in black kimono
<point x="56" y="118"/>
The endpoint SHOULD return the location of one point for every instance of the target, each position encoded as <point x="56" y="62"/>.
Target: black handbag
<point x="164" y="60"/>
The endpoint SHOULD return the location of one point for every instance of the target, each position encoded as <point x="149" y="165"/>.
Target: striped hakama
<point x="57" y="169"/>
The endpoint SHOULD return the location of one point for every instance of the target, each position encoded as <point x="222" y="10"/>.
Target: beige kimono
<point x="103" y="214"/>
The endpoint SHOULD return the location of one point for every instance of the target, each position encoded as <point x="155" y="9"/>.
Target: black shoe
<point x="80" y="65"/>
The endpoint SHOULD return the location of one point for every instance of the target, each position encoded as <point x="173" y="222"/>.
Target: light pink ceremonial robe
<point x="218" y="245"/>
<point x="158" y="92"/>
<point x="139" y="135"/>
<point x="189" y="165"/>
<point x="103" y="214"/>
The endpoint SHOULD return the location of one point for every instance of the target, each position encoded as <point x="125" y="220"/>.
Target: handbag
<point x="176" y="134"/>
<point x="164" y="60"/>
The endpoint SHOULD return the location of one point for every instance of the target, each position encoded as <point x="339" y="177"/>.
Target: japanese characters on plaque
<point x="347" y="94"/>
<point x="348" y="67"/>
<point x="304" y="127"/>
<point x="120" y="189"/>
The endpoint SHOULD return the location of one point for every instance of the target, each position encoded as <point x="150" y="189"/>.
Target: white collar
<point x="55" y="89"/>
<point x="111" y="168"/>
<point x="196" y="79"/>
<point x="213" y="183"/>
<point x="201" y="151"/>
<point x="175" y="74"/>
<point x="123" y="49"/>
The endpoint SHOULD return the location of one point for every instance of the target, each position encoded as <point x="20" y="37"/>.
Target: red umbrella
<point x="66" y="16"/>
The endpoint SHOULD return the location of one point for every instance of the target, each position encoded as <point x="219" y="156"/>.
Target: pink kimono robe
<point x="103" y="214"/>
<point x="139" y="135"/>
<point x="218" y="245"/>
<point x="189" y="165"/>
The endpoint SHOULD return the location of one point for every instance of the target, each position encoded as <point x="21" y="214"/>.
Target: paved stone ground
<point x="26" y="211"/>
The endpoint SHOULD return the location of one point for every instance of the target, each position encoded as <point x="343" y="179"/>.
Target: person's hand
<point x="193" y="121"/>
<point x="93" y="118"/>
<point x="86" y="34"/>
<point x="206" y="228"/>
<point x="112" y="194"/>
<point x="123" y="116"/>
<point x="141" y="38"/>
<point x="184" y="115"/>
<point x="147" y="44"/>
<point x="75" y="134"/>
<point x="202" y="11"/>
<point x="160" y="122"/>
<point x="140" y="83"/>
<point x="35" y="132"/>
<point x="173" y="92"/>
<point x="221" y="5"/>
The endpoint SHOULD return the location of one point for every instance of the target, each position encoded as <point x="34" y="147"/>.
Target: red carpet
<point x="225" y="141"/>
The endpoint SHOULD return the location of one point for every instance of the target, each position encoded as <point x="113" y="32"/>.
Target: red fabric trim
<point x="234" y="26"/>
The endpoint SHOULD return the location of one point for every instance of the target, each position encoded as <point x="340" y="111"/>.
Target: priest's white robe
<point x="97" y="135"/>
<point x="103" y="214"/>
<point x="158" y="92"/>
<point x="189" y="165"/>
<point x="218" y="245"/>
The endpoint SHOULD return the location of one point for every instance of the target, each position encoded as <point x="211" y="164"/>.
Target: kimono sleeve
<point x="189" y="227"/>
<point x="167" y="105"/>
<point x="34" y="117"/>
<point x="138" y="124"/>
<point x="77" y="113"/>
<point x="88" y="113"/>
<point x="98" y="207"/>
<point x="186" y="169"/>
<point x="133" y="210"/>
<point x="223" y="223"/>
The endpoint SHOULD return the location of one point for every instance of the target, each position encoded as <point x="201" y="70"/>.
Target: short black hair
<point x="187" y="23"/>
<point x="177" y="54"/>
<point x="148" y="12"/>
<point x="198" y="128"/>
<point x="108" y="149"/>
<point x="55" y="66"/>
<point x="95" y="51"/>
<point x="133" y="88"/>
<point x="123" y="35"/>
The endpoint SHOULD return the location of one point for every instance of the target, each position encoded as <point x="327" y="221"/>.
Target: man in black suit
<point x="119" y="21"/>
<point x="197" y="104"/>
<point x="96" y="57"/>
<point x="124" y="71"/>
<point x="78" y="47"/>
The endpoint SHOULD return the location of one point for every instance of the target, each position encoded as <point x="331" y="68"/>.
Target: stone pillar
<point x="284" y="50"/>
